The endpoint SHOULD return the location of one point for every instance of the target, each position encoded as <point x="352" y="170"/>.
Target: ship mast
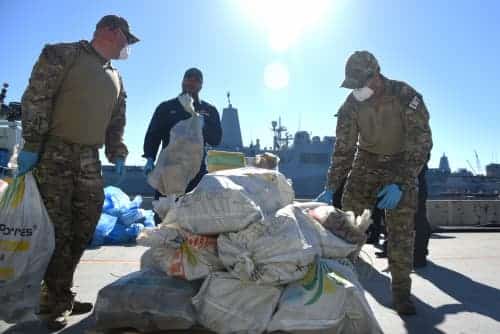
<point x="281" y="137"/>
<point x="228" y="94"/>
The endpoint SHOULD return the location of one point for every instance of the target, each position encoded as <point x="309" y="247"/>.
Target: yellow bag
<point x="220" y="160"/>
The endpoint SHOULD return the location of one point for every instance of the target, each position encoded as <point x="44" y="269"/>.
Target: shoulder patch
<point x="414" y="103"/>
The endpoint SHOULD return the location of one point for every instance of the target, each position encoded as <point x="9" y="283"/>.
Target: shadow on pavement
<point x="441" y="236"/>
<point x="473" y="296"/>
<point x="379" y="286"/>
<point x="38" y="327"/>
<point x="31" y="327"/>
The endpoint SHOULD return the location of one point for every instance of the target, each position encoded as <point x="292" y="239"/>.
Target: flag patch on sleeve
<point x="414" y="103"/>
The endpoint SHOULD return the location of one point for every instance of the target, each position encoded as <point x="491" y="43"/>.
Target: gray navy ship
<point x="304" y="159"/>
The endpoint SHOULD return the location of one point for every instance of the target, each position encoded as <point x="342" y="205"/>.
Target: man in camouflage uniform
<point x="383" y="140"/>
<point x="73" y="105"/>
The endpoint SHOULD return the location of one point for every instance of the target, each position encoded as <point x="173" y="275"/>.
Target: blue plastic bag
<point x="122" y="234"/>
<point x="149" y="218"/>
<point x="4" y="157"/>
<point x="105" y="225"/>
<point x="115" y="200"/>
<point x="131" y="213"/>
<point x="122" y="219"/>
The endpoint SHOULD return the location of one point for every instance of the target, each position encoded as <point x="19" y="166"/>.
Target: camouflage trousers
<point x="70" y="182"/>
<point x="369" y="173"/>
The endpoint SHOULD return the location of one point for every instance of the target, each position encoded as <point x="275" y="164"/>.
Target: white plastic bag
<point x="224" y="304"/>
<point x="162" y="205"/>
<point x="26" y="246"/>
<point x="274" y="251"/>
<point x="331" y="245"/>
<point x="216" y="205"/>
<point x="269" y="189"/>
<point x="180" y="161"/>
<point x="329" y="299"/>
<point x="179" y="253"/>
<point x="147" y="300"/>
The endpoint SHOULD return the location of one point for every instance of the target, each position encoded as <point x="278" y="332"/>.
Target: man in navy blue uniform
<point x="170" y="112"/>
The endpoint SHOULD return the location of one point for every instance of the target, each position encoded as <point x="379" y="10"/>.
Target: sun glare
<point x="285" y="21"/>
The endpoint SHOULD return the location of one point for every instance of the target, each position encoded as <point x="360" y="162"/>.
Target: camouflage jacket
<point x="416" y="135"/>
<point x="46" y="80"/>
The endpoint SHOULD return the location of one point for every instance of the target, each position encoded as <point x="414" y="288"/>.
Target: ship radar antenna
<point x="228" y="94"/>
<point x="279" y="141"/>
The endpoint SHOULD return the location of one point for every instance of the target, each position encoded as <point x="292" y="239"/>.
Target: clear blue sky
<point x="447" y="50"/>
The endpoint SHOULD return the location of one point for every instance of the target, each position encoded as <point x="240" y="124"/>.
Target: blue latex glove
<point x="390" y="196"/>
<point x="326" y="196"/>
<point x="120" y="167"/>
<point x="26" y="161"/>
<point x="148" y="167"/>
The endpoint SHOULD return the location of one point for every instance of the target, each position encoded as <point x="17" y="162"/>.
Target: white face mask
<point x="124" y="52"/>
<point x="362" y="94"/>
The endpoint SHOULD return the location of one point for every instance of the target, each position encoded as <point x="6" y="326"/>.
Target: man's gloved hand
<point x="326" y="196"/>
<point x="390" y="196"/>
<point x="26" y="161"/>
<point x="148" y="167"/>
<point x="120" y="166"/>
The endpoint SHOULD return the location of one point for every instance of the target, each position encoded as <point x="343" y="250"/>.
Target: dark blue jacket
<point x="166" y="116"/>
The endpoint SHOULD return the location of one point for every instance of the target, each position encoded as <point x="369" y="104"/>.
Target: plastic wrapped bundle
<point x="146" y="300"/>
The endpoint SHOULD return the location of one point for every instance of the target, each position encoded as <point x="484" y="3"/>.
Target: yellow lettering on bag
<point x="14" y="245"/>
<point x="6" y="273"/>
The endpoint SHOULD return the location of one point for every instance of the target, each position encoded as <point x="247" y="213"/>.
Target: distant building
<point x="444" y="164"/>
<point x="493" y="170"/>
<point x="463" y="172"/>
